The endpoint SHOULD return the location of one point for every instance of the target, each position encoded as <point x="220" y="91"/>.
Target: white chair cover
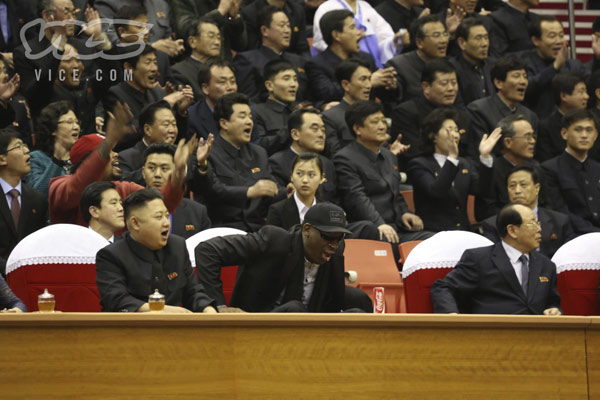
<point x="443" y="250"/>
<point x="204" y="235"/>
<point x="581" y="253"/>
<point x="57" y="244"/>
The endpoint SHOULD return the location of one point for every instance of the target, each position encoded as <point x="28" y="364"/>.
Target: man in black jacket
<point x="301" y="270"/>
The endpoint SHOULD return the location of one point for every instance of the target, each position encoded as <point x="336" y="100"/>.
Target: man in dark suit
<point x="102" y="209"/>
<point x="339" y="32"/>
<point x="205" y="42"/>
<point x="550" y="56"/>
<point x="242" y="185"/>
<point x="510" y="78"/>
<point x="509" y="277"/>
<point x="569" y="94"/>
<point x="271" y="117"/>
<point x="249" y="65"/>
<point x="573" y="178"/>
<point x="509" y="31"/>
<point x="431" y="40"/>
<point x="148" y="259"/>
<point x="190" y="217"/>
<point x="23" y="210"/>
<point x="369" y="179"/>
<point x="523" y="185"/>
<point x="296" y="15"/>
<point x="301" y="270"/>
<point x="216" y="79"/>
<point x="473" y="66"/>
<point x="307" y="131"/>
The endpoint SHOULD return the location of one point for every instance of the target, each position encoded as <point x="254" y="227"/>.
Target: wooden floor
<point x="301" y="356"/>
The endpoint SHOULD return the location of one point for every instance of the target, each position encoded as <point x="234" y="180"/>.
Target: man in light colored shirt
<point x="509" y="277"/>
<point x="102" y="209"/>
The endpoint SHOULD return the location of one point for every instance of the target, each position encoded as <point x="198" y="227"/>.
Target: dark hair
<point x="132" y="61"/>
<point x="575" y="116"/>
<point x="308" y="156"/>
<point x="138" y="199"/>
<point x="464" y="29"/>
<point x="507" y="216"/>
<point x="535" y="25"/>
<point x="333" y="21"/>
<point x="204" y="69"/>
<point x="92" y="196"/>
<point x="128" y="13"/>
<point x="507" y="124"/>
<point x="224" y="106"/>
<point x="432" y="124"/>
<point x="44" y="5"/>
<point x="345" y="69"/>
<point x="275" y="66"/>
<point x="296" y="119"/>
<point x="593" y="83"/>
<point x="417" y="27"/>
<point x="433" y="67"/>
<point x="527" y="167"/>
<point x="265" y="17"/>
<point x="47" y="124"/>
<point x="195" y="27"/>
<point x="148" y="113"/>
<point x="564" y="82"/>
<point x="358" y="112"/>
<point x="6" y="136"/>
<point x="506" y="64"/>
<point x="596" y="25"/>
<point x="159" y="148"/>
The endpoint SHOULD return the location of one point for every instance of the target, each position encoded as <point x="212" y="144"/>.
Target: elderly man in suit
<point x="300" y="270"/>
<point x="523" y="185"/>
<point x="509" y="277"/>
<point x="23" y="210"/>
<point x="148" y="259"/>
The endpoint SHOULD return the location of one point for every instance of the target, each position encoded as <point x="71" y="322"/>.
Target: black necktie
<point x="15" y="207"/>
<point x="524" y="272"/>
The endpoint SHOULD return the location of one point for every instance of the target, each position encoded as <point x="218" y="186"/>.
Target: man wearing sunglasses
<point x="509" y="277"/>
<point x="301" y="270"/>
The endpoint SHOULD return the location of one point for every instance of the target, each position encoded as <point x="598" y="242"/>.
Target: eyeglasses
<point x="533" y="224"/>
<point x="71" y="11"/>
<point x="21" y="146"/>
<point x="330" y="238"/>
<point x="528" y="136"/>
<point x="437" y="35"/>
<point x="70" y="122"/>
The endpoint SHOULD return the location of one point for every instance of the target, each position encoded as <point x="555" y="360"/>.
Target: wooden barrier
<point x="289" y="356"/>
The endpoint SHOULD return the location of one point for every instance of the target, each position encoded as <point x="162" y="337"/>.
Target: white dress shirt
<point x="513" y="256"/>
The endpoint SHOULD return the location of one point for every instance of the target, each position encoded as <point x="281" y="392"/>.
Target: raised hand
<point x="204" y="147"/>
<point x="488" y="142"/>
<point x="398" y="147"/>
<point x="9" y="87"/>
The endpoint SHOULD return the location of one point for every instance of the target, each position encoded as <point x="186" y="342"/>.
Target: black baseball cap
<point x="327" y="217"/>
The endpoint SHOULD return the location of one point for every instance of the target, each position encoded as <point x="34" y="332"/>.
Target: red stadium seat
<point x="405" y="248"/>
<point x="409" y="199"/>
<point x="228" y="272"/>
<point x="432" y="259"/>
<point x="374" y="263"/>
<point x="578" y="273"/>
<point x="61" y="258"/>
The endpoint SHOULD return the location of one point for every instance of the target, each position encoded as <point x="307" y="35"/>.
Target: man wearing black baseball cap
<point x="300" y="270"/>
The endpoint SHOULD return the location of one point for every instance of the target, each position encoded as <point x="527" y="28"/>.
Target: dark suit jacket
<point x="190" y="217"/>
<point x="248" y="67"/>
<point x="556" y="230"/>
<point x="369" y="185"/>
<point x="574" y="191"/>
<point x="284" y="214"/>
<point x="321" y="75"/>
<point x="441" y="194"/>
<point x="485" y="115"/>
<point x="470" y="83"/>
<point x="539" y="96"/>
<point x="281" y="167"/>
<point x="33" y="216"/>
<point x="509" y="31"/>
<point x="337" y="131"/>
<point x="397" y="15"/>
<point x="201" y="120"/>
<point x="295" y="13"/>
<point x="132" y="159"/>
<point x="232" y="173"/>
<point x="186" y="73"/>
<point x="271" y="261"/>
<point x="270" y="122"/>
<point x="409" y="67"/>
<point x="128" y="272"/>
<point x="484" y="282"/>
